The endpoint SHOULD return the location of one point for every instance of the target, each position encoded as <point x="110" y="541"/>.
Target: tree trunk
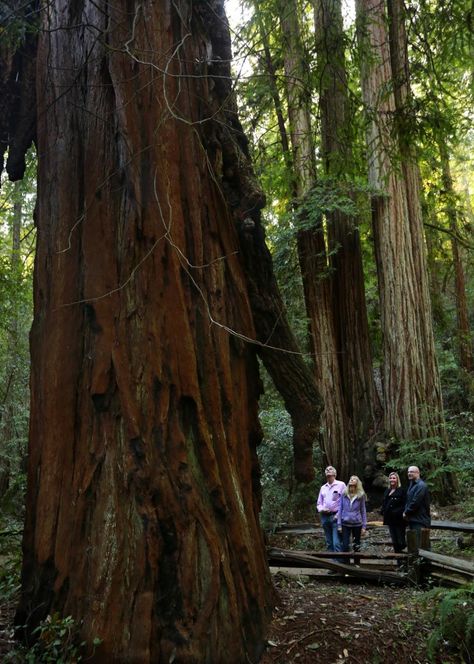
<point x="142" y="507"/>
<point x="412" y="394"/>
<point x="337" y="437"/>
<point x="466" y="360"/>
<point x="290" y="374"/>
<point x="348" y="291"/>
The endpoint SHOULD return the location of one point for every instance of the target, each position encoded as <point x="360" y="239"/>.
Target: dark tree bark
<point x="142" y="506"/>
<point x="348" y="293"/>
<point x="337" y="435"/>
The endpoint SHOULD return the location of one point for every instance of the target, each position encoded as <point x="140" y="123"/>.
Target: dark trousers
<point x="397" y="533"/>
<point x="347" y="532"/>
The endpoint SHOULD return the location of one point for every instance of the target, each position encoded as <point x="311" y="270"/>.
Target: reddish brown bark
<point x="336" y="431"/>
<point x="348" y="293"/>
<point x="412" y="393"/>
<point x="142" y="508"/>
<point x="465" y="338"/>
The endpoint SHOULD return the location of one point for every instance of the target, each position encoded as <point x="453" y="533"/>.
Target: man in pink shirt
<point x="328" y="507"/>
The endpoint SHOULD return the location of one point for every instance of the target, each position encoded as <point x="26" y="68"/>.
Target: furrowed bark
<point x="348" y="294"/>
<point x="337" y="434"/>
<point x="142" y="506"/>
<point x="412" y="393"/>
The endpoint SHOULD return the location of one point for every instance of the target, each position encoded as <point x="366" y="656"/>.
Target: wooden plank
<point x="448" y="561"/>
<point x="282" y="558"/>
<point x="453" y="525"/>
<point x="361" y="554"/>
<point x="455" y="581"/>
<point x="310" y="528"/>
<point x="315" y="528"/>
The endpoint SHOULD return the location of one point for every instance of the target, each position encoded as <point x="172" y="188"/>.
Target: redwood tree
<point x="412" y="393"/>
<point x="142" y="505"/>
<point x="348" y="293"/>
<point x="312" y="253"/>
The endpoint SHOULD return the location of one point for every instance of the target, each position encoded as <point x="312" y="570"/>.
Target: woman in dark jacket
<point x="392" y="509"/>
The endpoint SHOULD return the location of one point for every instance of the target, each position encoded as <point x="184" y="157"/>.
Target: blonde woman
<point x="352" y="515"/>
<point x="394" y="500"/>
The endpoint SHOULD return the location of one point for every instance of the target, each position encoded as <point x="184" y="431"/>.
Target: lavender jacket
<point x="352" y="514"/>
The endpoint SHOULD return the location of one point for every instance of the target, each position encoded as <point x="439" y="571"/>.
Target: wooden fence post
<point x="413" y="562"/>
<point x="424" y="565"/>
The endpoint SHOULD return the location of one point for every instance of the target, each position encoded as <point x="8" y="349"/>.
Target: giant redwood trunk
<point x="142" y="506"/>
<point x="312" y="253"/>
<point x="348" y="292"/>
<point x="412" y="394"/>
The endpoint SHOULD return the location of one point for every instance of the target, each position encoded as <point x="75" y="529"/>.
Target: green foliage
<point x="281" y="496"/>
<point x="455" y="617"/>
<point x="17" y="241"/>
<point x="10" y="559"/>
<point x="434" y="459"/>
<point x="275" y="456"/>
<point x="57" y="642"/>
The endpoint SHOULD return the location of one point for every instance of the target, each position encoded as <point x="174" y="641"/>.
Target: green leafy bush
<point x="57" y="642"/>
<point x="281" y="497"/>
<point x="434" y="458"/>
<point x="455" y="630"/>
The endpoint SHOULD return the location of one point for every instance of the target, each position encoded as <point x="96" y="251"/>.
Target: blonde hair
<point x="399" y="483"/>
<point x="359" y="492"/>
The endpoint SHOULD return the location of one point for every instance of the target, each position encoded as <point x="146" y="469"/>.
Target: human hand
<point x="339" y="530"/>
<point x="363" y="532"/>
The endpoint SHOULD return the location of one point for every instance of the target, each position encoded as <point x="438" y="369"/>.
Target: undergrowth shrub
<point x="282" y="498"/>
<point x="57" y="642"/>
<point x="435" y="458"/>
<point x="455" y="618"/>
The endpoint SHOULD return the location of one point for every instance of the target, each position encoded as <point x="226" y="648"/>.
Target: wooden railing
<point x="416" y="566"/>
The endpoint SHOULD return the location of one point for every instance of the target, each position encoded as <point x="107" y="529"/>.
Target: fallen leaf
<point x="313" y="646"/>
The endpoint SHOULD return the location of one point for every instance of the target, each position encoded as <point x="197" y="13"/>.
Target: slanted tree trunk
<point x="412" y="394"/>
<point x="347" y="281"/>
<point x="337" y="435"/>
<point x="279" y="350"/>
<point x="142" y="507"/>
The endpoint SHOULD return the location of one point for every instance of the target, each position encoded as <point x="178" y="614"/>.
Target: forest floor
<point x="340" y="620"/>
<point x="332" y="619"/>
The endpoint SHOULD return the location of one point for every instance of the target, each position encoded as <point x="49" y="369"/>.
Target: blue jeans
<point x="329" y="524"/>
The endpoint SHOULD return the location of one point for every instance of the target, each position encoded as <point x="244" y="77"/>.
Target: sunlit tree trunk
<point x="291" y="375"/>
<point x="142" y="506"/>
<point x="348" y="292"/>
<point x="464" y="331"/>
<point x="337" y="436"/>
<point x="412" y="394"/>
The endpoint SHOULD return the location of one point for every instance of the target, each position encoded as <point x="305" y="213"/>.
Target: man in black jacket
<point x="417" y="506"/>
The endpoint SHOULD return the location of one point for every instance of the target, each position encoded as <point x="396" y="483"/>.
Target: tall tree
<point x="142" y="506"/>
<point x="465" y="338"/>
<point x="412" y="394"/>
<point x="312" y="251"/>
<point x="348" y="293"/>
